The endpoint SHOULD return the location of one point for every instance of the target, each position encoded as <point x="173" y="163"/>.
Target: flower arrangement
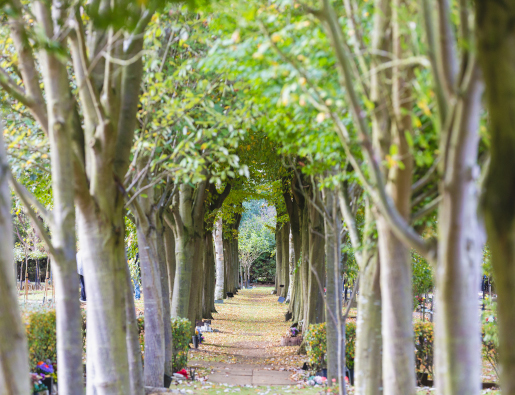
<point x="45" y="367"/>
<point x="294" y="332"/>
<point x="199" y="335"/>
<point x="37" y="384"/>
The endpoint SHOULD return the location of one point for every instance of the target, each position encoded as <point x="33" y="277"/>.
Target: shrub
<point x="181" y="335"/>
<point x="490" y="338"/>
<point x="41" y="337"/>
<point x="316" y="345"/>
<point x="424" y="338"/>
<point x="42" y="340"/>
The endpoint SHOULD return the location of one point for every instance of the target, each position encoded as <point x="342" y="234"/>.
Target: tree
<point x="495" y="53"/>
<point x="254" y="238"/>
<point x="13" y="348"/>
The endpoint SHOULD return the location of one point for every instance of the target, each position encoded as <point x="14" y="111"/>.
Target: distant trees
<point x="255" y="236"/>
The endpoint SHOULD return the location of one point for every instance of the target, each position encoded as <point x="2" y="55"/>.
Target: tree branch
<point x="427" y="209"/>
<point x="28" y="197"/>
<point x="27" y="200"/>
<point x="27" y="66"/>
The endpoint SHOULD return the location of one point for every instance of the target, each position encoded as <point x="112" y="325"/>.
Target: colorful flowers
<point x="45" y="367"/>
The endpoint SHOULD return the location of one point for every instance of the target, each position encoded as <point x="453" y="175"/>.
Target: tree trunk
<point x="188" y="212"/>
<point x="367" y="362"/>
<point x="457" y="323"/>
<point x="170" y="260"/>
<point x="304" y="267"/>
<point x="235" y="260"/>
<point x="335" y="327"/>
<point x="291" y="268"/>
<point x="209" y="276"/>
<point x="496" y="52"/>
<point x="219" y="249"/>
<point x="59" y="111"/>
<point x="184" y="252"/>
<point x="146" y="227"/>
<point x="14" y="357"/>
<point x="285" y="261"/>
<point x="278" y="257"/>
<point x="132" y="339"/>
<point x="165" y="293"/>
<point x="103" y="255"/>
<point x="227" y="266"/>
<point x="316" y="275"/>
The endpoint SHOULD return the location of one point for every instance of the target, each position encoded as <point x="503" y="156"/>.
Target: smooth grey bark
<point x="209" y="276"/>
<point x="104" y="131"/>
<point x="335" y="325"/>
<point x="106" y="313"/>
<point x="316" y="277"/>
<point x="132" y="339"/>
<point x="165" y="292"/>
<point x="285" y="259"/>
<point x="278" y="258"/>
<point x="291" y="268"/>
<point x="170" y="258"/>
<point x="188" y="212"/>
<point x="14" y="357"/>
<point x="184" y="251"/>
<point x="60" y="125"/>
<point x="228" y="278"/>
<point x="457" y="323"/>
<point x="219" y="251"/>
<point x="151" y="281"/>
<point x="304" y="267"/>
<point x="367" y="360"/>
<point x="496" y="54"/>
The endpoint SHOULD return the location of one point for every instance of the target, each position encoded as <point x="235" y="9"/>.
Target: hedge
<point x="316" y="346"/>
<point x="41" y="335"/>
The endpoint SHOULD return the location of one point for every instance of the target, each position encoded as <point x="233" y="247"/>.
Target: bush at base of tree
<point x="316" y="346"/>
<point x="42" y="340"/>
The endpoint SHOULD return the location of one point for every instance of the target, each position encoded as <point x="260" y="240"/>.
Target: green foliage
<point x="181" y="337"/>
<point x="491" y="336"/>
<point x="41" y="337"/>
<point x="40" y="327"/>
<point x="256" y="234"/>
<point x="316" y="345"/>
<point x="422" y="276"/>
<point x="263" y="269"/>
<point x="424" y="338"/>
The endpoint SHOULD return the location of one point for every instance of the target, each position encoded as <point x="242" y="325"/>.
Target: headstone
<point x="281" y="299"/>
<point x="230" y="295"/>
<point x="288" y="316"/>
<point x="219" y="301"/>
